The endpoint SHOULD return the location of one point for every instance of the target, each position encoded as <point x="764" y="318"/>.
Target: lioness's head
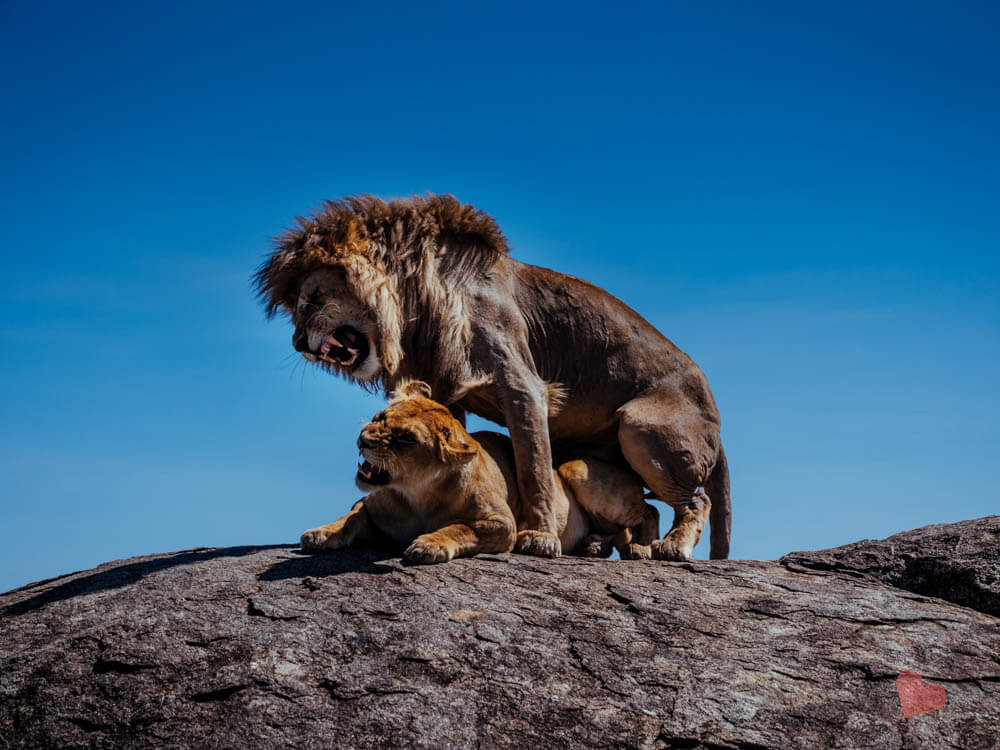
<point x="411" y="441"/>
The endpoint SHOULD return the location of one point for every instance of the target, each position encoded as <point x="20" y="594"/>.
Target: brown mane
<point x="400" y="235"/>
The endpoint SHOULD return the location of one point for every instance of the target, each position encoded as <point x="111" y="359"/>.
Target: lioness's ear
<point x="453" y="447"/>
<point x="411" y="390"/>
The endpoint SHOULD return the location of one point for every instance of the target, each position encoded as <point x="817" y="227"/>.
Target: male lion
<point x="447" y="493"/>
<point x="423" y="289"/>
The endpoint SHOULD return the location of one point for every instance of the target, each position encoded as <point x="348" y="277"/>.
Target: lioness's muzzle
<point x="373" y="475"/>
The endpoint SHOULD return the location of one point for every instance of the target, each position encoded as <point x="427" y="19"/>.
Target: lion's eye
<point x="308" y="305"/>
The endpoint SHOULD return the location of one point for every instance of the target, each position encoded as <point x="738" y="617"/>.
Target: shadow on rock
<point x="120" y="575"/>
<point x="320" y="565"/>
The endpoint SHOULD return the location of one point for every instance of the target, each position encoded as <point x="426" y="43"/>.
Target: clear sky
<point x="801" y="195"/>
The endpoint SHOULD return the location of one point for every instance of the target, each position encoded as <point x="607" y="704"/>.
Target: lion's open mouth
<point x="373" y="475"/>
<point x="346" y="347"/>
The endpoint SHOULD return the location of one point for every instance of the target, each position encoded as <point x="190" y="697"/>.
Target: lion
<point x="425" y="289"/>
<point x="445" y="493"/>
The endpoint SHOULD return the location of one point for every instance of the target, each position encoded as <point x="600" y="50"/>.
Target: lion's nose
<point x="300" y="340"/>
<point x="364" y="442"/>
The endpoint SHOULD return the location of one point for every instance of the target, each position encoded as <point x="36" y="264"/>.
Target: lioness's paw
<point x="538" y="543"/>
<point x="320" y="540"/>
<point x="667" y="549"/>
<point x="636" y="552"/>
<point x="595" y="545"/>
<point x="427" y="553"/>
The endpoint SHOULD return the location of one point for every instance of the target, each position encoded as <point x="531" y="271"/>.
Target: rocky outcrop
<point x="263" y="647"/>
<point x="958" y="562"/>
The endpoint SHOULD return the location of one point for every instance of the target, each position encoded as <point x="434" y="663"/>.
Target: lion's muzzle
<point x="300" y="340"/>
<point x="346" y="347"/>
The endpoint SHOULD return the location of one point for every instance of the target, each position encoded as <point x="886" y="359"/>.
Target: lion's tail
<point x="720" y="517"/>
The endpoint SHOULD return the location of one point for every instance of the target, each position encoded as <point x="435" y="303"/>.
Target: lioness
<point x="423" y="289"/>
<point x="446" y="493"/>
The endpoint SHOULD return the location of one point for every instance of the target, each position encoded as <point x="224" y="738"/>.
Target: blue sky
<point x="802" y="196"/>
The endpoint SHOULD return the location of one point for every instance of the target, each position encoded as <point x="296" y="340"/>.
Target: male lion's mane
<point x="407" y="259"/>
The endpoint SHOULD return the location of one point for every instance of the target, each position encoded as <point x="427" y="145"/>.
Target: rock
<point x="263" y="647"/>
<point x="958" y="562"/>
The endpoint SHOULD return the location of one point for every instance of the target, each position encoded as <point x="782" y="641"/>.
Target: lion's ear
<point x="412" y="389"/>
<point x="455" y="446"/>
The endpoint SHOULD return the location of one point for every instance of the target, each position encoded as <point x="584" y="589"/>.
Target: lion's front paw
<point x="321" y="540"/>
<point x="636" y="552"/>
<point x="424" y="552"/>
<point x="667" y="549"/>
<point x="538" y="543"/>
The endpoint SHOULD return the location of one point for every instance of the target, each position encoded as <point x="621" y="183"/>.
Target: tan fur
<point x="451" y="494"/>
<point x="428" y="290"/>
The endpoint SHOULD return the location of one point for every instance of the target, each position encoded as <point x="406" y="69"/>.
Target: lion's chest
<point x="398" y="518"/>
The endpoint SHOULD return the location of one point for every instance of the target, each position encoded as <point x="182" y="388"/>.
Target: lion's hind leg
<point x="674" y="448"/>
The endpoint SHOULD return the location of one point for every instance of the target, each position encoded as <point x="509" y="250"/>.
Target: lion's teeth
<point x="324" y="348"/>
<point x="329" y="342"/>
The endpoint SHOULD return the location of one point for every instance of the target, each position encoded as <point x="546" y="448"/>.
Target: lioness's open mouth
<point x="346" y="347"/>
<point x="373" y="475"/>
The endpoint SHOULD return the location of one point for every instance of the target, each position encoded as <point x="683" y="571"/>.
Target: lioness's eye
<point x="404" y="438"/>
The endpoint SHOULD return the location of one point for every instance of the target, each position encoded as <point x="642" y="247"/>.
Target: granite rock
<point x="264" y="647"/>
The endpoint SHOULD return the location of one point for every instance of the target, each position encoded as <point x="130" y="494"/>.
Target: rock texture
<point x="261" y="647"/>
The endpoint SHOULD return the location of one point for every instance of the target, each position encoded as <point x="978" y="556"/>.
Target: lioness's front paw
<point x="320" y="540"/>
<point x="667" y="549"/>
<point x="538" y="543"/>
<point x="423" y="552"/>
<point x="636" y="552"/>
